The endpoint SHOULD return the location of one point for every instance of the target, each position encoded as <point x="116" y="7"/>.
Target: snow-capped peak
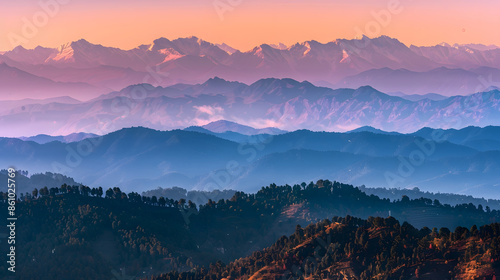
<point x="279" y="46"/>
<point x="65" y="53"/>
<point x="345" y="57"/>
<point x="444" y="44"/>
<point x="228" y="49"/>
<point x="307" y="48"/>
<point x="170" y="54"/>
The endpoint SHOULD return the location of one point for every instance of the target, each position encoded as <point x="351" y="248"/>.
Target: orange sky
<point x="245" y="23"/>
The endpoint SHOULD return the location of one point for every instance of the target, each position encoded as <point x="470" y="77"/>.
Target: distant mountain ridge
<point x="192" y="60"/>
<point x="418" y="97"/>
<point x="483" y="139"/>
<point x="370" y="129"/>
<point x="7" y="105"/>
<point x="225" y="126"/>
<point x="140" y="159"/>
<point x="15" y="82"/>
<point x="442" y="80"/>
<point x="74" y="137"/>
<point x="285" y="104"/>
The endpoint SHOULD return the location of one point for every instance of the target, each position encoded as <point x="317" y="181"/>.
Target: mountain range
<point x="481" y="139"/>
<point x="463" y="161"/>
<point x="96" y="68"/>
<point x="222" y="126"/>
<point x="285" y="104"/>
<point x="17" y="84"/>
<point x="73" y="137"/>
<point x="443" y="80"/>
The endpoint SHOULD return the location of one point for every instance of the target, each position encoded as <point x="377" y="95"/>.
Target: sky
<point x="244" y="24"/>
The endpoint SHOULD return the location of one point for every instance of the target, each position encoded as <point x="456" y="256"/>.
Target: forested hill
<point x="92" y="233"/>
<point x="377" y="248"/>
<point x="28" y="182"/>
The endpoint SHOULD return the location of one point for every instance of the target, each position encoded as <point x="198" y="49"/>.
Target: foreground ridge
<point x="97" y="232"/>
<point x="377" y="248"/>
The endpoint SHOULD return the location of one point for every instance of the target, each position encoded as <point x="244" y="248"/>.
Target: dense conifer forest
<point x="377" y="248"/>
<point x="93" y="233"/>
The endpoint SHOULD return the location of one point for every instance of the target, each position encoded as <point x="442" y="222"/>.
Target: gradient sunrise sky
<point x="244" y="24"/>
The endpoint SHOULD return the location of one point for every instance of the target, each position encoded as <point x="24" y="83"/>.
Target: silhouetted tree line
<point x="445" y="198"/>
<point x="86" y="233"/>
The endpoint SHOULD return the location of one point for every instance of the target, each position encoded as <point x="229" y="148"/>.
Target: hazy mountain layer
<point x="281" y="103"/>
<point x="140" y="159"/>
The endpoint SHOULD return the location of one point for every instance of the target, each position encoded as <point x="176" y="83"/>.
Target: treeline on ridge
<point x="89" y="233"/>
